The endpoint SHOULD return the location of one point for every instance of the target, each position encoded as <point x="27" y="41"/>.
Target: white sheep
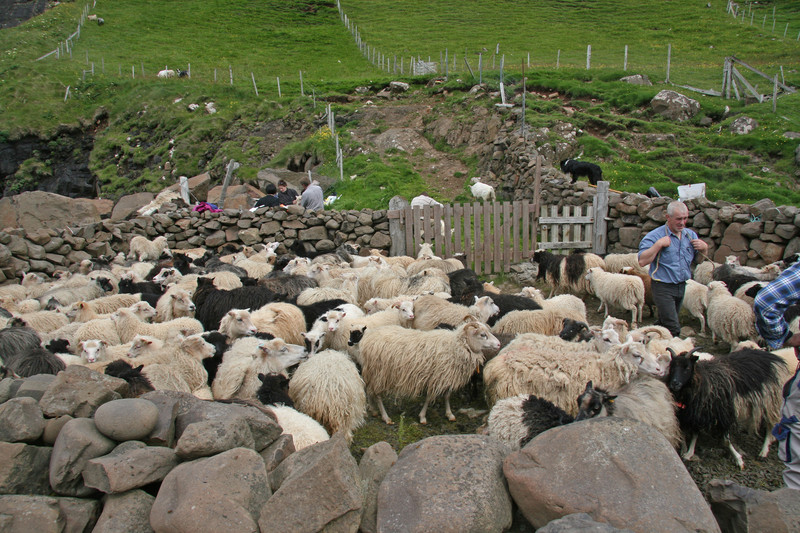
<point x="143" y="249"/>
<point x="621" y="290"/>
<point x="695" y="300"/>
<point x="426" y="251"/>
<point x="105" y="305"/>
<point x="388" y="285"/>
<point x="176" y="365"/>
<point x="236" y="324"/>
<point x="81" y="312"/>
<point x="128" y="325"/>
<point x="166" y="73"/>
<point x="90" y="290"/>
<point x="410" y="363"/>
<point x="225" y="280"/>
<point x="729" y="317"/>
<point x="174" y="304"/>
<point x="616" y="262"/>
<point x="481" y="191"/>
<point x="339" y="334"/>
<point x="102" y="329"/>
<point x="328" y="388"/>
<point x="45" y="321"/>
<point x="285" y="321"/>
<point x="526" y="366"/>
<point x="304" y="430"/>
<point x="313" y="295"/>
<point x="447" y="266"/>
<point x="430" y="311"/>
<point x="255" y="269"/>
<point x="571" y="304"/>
<point x="703" y="273"/>
<point x="237" y="376"/>
<point x="545" y="321"/>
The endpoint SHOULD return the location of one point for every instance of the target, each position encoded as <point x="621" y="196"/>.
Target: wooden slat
<point x="408" y="220"/>
<point x="508" y="249"/>
<point x="564" y="245"/>
<point x="555" y="231"/>
<point x="448" y="237"/>
<point x="436" y="225"/>
<point x="487" y="238"/>
<point x="458" y="246"/>
<point x="477" y="243"/>
<point x="468" y="244"/>
<point x="576" y="226"/>
<point x="526" y="229"/>
<point x="497" y="234"/>
<point x="516" y="230"/>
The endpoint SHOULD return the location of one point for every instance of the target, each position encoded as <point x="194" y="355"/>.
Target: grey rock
<point x="169" y="404"/>
<point x="374" y="465"/>
<point x="547" y="478"/>
<point x="121" y="472"/>
<point x="742" y="509"/>
<point x="79" y="391"/>
<point x="210" y="437"/>
<point x="275" y="453"/>
<point x="21" y="420"/>
<point x="46" y="514"/>
<point x="263" y="428"/>
<point x="220" y="493"/>
<point x="319" y="489"/>
<point x="674" y="106"/>
<point x="743" y="125"/>
<point x="128" y="512"/>
<point x="579" y="522"/>
<point x="637" y="79"/>
<point x="446" y="483"/>
<point x="77" y="444"/>
<point x="126" y="419"/>
<point x="53" y="427"/>
<point x="24" y="469"/>
<point x="34" y="386"/>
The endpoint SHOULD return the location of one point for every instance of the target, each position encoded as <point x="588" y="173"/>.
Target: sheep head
<point x="594" y="402"/>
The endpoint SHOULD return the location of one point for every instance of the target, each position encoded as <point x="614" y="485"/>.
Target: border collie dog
<point x="581" y="168"/>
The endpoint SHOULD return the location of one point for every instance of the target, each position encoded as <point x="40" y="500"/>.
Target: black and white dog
<point x="581" y="168"/>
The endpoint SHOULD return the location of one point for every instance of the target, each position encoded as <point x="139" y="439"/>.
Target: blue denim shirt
<point x="673" y="264"/>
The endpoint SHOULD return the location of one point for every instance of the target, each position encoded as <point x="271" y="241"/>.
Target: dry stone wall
<point x="758" y="234"/>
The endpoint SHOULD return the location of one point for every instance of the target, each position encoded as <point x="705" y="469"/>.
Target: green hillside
<point x="113" y="67"/>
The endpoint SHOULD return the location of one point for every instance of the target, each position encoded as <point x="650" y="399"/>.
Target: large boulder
<point x="45" y="514"/>
<point x="129" y="204"/>
<point x="24" y="469"/>
<point x="77" y="444"/>
<point x="130" y="465"/>
<point x="78" y="391"/>
<point x="743" y="125"/>
<point x="674" y="106"/>
<point x="616" y="470"/>
<point x="446" y="483"/>
<point x="126" y="513"/>
<point x="739" y="508"/>
<point x="126" y="419"/>
<point x="236" y="197"/>
<point x="37" y="209"/>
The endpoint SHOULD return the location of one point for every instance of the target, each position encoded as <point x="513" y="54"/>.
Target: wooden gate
<point x="494" y="235"/>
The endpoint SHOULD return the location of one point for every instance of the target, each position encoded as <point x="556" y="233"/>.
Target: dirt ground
<point x="712" y="460"/>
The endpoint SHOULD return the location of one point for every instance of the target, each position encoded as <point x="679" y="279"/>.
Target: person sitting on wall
<point x="311" y="197"/>
<point x="271" y="198"/>
<point x="285" y="195"/>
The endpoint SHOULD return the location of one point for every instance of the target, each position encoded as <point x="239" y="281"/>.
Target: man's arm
<point x="771" y="303"/>
<point x="648" y="255"/>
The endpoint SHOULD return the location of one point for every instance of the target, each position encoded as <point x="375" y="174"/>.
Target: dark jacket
<point x="269" y="200"/>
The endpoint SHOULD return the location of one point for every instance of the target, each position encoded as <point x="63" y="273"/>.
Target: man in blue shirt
<point x="670" y="250"/>
<point x="770" y="305"/>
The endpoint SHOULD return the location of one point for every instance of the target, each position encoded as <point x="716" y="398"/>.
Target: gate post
<point x="600" y="205"/>
<point x="396" y="227"/>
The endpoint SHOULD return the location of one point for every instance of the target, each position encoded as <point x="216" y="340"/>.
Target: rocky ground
<point x="712" y="459"/>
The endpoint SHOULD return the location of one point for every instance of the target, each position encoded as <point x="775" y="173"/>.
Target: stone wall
<point x="758" y="234"/>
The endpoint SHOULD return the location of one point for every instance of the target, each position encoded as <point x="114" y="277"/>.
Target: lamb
<point x="618" y="289"/>
<point x="616" y="262"/>
<point x="409" y="363"/>
<point x="224" y="280"/>
<point x="255" y="269"/>
<point x="481" y="191"/>
<point x="566" y="273"/>
<point x="544" y="321"/>
<point x="645" y="399"/>
<point x="285" y="321"/>
<point x="526" y="366"/>
<point x="143" y="249"/>
<point x="517" y="420"/>
<point x="328" y="388"/>
<point x="98" y="351"/>
<point x="695" y="300"/>
<point x="304" y="430"/>
<point x="729" y="317"/>
<point x="237" y="323"/>
<point x="715" y="394"/>
<point x="431" y="311"/>
<point x="237" y="376"/>
<point x="128" y="326"/>
<point x="173" y="305"/>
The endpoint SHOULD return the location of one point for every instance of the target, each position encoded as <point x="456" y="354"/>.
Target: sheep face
<point x="333" y="319"/>
<point x="313" y="341"/>
<point x="406" y="309"/>
<point x="237" y="323"/>
<point x="486" y="307"/>
<point x="143" y="310"/>
<point x="286" y="354"/>
<point x="143" y="344"/>
<point x="575" y="330"/>
<point x="167" y="275"/>
<point x="182" y="304"/>
<point x="480" y="338"/>
<point x="594" y="402"/>
<point x="681" y="370"/>
<point x="197" y="347"/>
<point x="92" y="350"/>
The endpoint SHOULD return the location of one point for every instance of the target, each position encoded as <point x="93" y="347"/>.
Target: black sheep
<point x="508" y="303"/>
<point x="733" y="279"/>
<point x="464" y="286"/>
<point x="36" y="361"/>
<point x="138" y="384"/>
<point x="221" y="345"/>
<point x="178" y="261"/>
<point x="538" y="415"/>
<point x="215" y="265"/>
<point x="274" y="389"/>
<point x="288" y="285"/>
<point x="58" y="346"/>
<point x="582" y="168"/>
<point x="127" y="286"/>
<point x="313" y="311"/>
<point x="212" y="303"/>
<point x="716" y="395"/>
<point x="16" y="339"/>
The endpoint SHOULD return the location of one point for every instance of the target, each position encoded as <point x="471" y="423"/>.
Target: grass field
<point x="267" y="40"/>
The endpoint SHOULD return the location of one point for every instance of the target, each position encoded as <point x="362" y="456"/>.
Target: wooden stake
<point x="254" y="82"/>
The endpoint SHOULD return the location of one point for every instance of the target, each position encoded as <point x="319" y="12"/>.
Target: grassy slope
<point x="279" y="38"/>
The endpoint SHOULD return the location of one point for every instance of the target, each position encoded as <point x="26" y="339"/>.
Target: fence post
<point x="66" y="94"/>
<point x="600" y="204"/>
<point x="232" y="165"/>
<point x="775" y="95"/>
<point x="537" y="195"/>
<point x="669" y="60"/>
<point x="396" y="229"/>
<point x="588" y="56"/>
<point x="279" y="86"/>
<point x="625" y="64"/>
<point x="480" y="68"/>
<point x="302" y="93"/>
<point x="253" y="76"/>
<point x="230" y="71"/>
<point x="558" y="58"/>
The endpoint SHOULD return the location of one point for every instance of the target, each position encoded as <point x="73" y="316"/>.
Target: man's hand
<point x="700" y="245"/>
<point x="663" y="242"/>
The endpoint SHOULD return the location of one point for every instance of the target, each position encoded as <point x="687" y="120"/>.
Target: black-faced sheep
<point x="411" y="363"/>
<point x="729" y="317"/>
<point x="517" y="420"/>
<point x="545" y="321"/>
<point x="274" y="389"/>
<point x="138" y="384"/>
<point x="328" y="388"/>
<point x="212" y="303"/>
<point x="714" y="395"/>
<point x="69" y="295"/>
<point x="645" y="399"/>
<point x="289" y="286"/>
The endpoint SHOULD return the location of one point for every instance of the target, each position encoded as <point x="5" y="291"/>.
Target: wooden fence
<point x="495" y="235"/>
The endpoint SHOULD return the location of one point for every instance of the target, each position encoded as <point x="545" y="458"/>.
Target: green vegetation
<point x="144" y="122"/>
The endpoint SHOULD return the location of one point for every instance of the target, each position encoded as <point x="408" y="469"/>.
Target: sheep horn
<point x="693" y="350"/>
<point x="672" y="352"/>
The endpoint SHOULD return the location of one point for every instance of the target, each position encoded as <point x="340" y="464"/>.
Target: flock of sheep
<point x="320" y="341"/>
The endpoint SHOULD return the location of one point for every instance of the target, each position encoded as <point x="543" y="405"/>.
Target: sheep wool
<point x="729" y="317"/>
<point x="304" y="430"/>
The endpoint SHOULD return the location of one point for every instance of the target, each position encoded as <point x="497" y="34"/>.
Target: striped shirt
<point x="771" y="303"/>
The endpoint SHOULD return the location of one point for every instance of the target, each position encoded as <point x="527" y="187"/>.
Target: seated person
<point x="285" y="195"/>
<point x="271" y="199"/>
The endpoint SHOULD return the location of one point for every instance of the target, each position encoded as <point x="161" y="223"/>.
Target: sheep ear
<point x="104" y="343"/>
<point x="138" y="368"/>
<point x="588" y="386"/>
